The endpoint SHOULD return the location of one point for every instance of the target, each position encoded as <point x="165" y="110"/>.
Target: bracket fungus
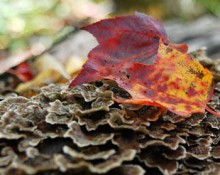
<point x="82" y="130"/>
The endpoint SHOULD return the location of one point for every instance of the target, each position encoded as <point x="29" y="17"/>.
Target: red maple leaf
<point x="135" y="52"/>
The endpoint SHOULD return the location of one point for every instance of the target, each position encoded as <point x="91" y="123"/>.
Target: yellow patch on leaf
<point x="175" y="81"/>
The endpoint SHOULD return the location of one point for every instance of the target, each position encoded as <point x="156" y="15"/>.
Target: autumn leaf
<point x="135" y="52"/>
<point x="23" y="71"/>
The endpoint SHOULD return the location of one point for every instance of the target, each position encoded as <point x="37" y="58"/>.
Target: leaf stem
<point x="212" y="111"/>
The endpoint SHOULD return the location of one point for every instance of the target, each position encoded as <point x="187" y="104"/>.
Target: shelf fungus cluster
<point x="81" y="130"/>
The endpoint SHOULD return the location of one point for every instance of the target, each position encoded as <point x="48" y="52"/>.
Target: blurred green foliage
<point x="24" y="23"/>
<point x="22" y="19"/>
<point x="169" y="9"/>
<point x="211" y="6"/>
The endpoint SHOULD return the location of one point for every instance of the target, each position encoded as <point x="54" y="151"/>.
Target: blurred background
<point x="30" y="28"/>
